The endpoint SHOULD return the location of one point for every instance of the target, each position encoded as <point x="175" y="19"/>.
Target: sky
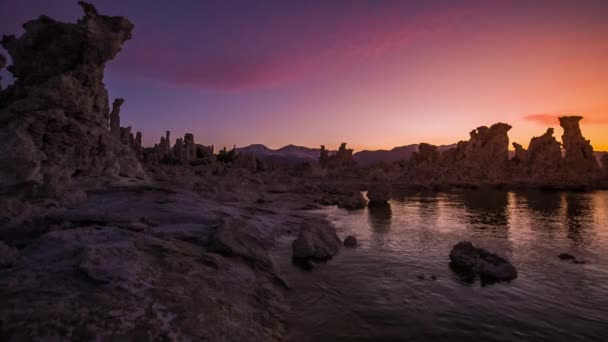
<point x="373" y="73"/>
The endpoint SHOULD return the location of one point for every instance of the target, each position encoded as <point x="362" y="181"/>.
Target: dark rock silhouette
<point x="467" y="258"/>
<point x="352" y="201"/>
<point x="56" y="114"/>
<point x="579" y="163"/>
<point x="317" y="240"/>
<point x="379" y="191"/>
<point x="342" y="158"/>
<point x="350" y="241"/>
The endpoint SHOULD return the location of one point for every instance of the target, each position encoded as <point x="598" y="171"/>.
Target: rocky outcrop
<point x="580" y="165"/>
<point x="480" y="159"/>
<point x="423" y="164"/>
<point x="115" y="118"/>
<point x="467" y="258"/>
<point x="185" y="151"/>
<point x="484" y="160"/>
<point x="56" y="117"/>
<point x="546" y="164"/>
<point x="342" y="158"/>
<point x="520" y="156"/>
<point x="352" y="201"/>
<point x="541" y="164"/>
<point x="317" y="240"/>
<point x="379" y="191"/>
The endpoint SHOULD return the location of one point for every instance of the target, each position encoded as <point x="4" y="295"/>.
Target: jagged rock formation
<point x="521" y="155"/>
<point x="56" y="116"/>
<point x="424" y="164"/>
<point x="115" y="118"/>
<point x="545" y="164"/>
<point x="342" y="158"/>
<point x="541" y="163"/>
<point x="484" y="160"/>
<point x="379" y="191"/>
<point x="579" y="162"/>
<point x="184" y="151"/>
<point x="480" y="159"/>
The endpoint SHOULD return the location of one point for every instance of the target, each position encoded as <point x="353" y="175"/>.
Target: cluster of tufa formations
<point x="484" y="160"/>
<point x="57" y="125"/>
<point x="155" y="243"/>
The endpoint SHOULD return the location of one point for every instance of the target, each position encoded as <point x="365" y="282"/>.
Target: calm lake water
<point x="372" y="293"/>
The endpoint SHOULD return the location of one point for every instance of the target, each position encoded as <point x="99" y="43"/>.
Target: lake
<point x="382" y="290"/>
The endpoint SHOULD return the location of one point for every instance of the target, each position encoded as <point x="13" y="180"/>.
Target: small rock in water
<point x="579" y="261"/>
<point x="566" y="256"/>
<point x="350" y="241"/>
<point x="490" y="267"/>
<point x="316" y="240"/>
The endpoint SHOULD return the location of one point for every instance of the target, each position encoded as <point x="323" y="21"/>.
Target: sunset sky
<point x="375" y="74"/>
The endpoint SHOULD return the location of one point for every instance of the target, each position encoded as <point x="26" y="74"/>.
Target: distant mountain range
<point x="289" y="154"/>
<point x="293" y="154"/>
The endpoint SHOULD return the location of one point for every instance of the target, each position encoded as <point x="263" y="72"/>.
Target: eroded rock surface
<point x="56" y="117"/>
<point x="317" y="240"/>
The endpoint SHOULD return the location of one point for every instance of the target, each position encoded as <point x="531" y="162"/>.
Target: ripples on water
<point x="372" y="293"/>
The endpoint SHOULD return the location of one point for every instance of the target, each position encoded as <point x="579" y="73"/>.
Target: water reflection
<point x="380" y="218"/>
<point x="578" y="218"/>
<point x="486" y="207"/>
<point x="547" y="203"/>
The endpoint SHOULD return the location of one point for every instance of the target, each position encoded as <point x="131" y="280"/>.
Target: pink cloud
<point x="265" y="58"/>
<point x="553" y="119"/>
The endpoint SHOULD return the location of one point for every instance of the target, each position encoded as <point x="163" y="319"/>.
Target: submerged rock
<point x="317" y="240"/>
<point x="477" y="261"/>
<point x="350" y="241"/>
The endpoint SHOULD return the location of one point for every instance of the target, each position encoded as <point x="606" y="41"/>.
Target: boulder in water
<point x="478" y="261"/>
<point x="317" y="240"/>
<point x="379" y="194"/>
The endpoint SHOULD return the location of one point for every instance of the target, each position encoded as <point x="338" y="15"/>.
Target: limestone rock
<point x="352" y="201"/>
<point x="115" y="118"/>
<point x="342" y="158"/>
<point x="477" y="261"/>
<point x="580" y="165"/>
<point x="56" y="115"/>
<point x="379" y="194"/>
<point x="317" y="240"/>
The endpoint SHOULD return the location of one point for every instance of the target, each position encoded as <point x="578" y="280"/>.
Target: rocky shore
<point x="103" y="238"/>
